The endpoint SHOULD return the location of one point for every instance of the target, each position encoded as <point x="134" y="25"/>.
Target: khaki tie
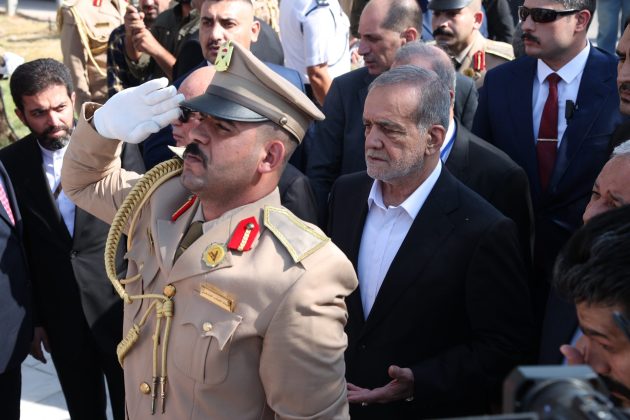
<point x="195" y="230"/>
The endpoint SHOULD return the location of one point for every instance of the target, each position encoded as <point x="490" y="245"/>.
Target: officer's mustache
<point x="624" y="87"/>
<point x="442" y="31"/>
<point x="530" y="37"/>
<point x="615" y="387"/>
<point x="194" y="150"/>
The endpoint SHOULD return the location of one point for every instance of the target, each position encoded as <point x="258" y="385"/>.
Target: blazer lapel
<point x="593" y="92"/>
<point x="430" y="228"/>
<point x="457" y="161"/>
<point x="36" y="184"/>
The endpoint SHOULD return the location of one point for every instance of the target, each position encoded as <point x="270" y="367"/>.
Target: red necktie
<point x="547" y="144"/>
<point x="5" y="203"/>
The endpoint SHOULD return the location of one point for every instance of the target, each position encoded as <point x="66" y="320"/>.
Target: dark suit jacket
<point x="335" y="146"/>
<point x="453" y="306"/>
<point x="504" y="118"/>
<point x="620" y="135"/>
<point x="493" y="175"/>
<point x="16" y="318"/>
<point x="69" y="280"/>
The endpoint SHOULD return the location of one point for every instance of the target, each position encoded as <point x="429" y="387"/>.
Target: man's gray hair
<point x="578" y="5"/>
<point x="623" y="150"/>
<point x="434" y="100"/>
<point x="440" y="63"/>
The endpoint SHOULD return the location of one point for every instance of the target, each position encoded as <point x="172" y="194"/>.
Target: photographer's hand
<point x="575" y="355"/>
<point x="400" y="388"/>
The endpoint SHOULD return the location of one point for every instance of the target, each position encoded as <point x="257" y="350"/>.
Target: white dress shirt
<point x="384" y="231"/>
<point x="568" y="88"/>
<point x="52" y="168"/>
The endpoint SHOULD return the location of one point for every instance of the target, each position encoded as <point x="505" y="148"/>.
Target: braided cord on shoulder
<point x="130" y="209"/>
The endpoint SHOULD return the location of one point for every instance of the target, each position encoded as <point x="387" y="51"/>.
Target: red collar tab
<point x="184" y="207"/>
<point x="97" y="3"/>
<point x="244" y="235"/>
<point x="479" y="60"/>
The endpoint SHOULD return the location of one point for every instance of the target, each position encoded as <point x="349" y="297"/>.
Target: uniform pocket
<point x="201" y="337"/>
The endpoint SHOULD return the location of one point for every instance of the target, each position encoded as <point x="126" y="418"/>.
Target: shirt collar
<point x="51" y="154"/>
<point x="414" y="202"/>
<point x="447" y="144"/>
<point x="569" y="71"/>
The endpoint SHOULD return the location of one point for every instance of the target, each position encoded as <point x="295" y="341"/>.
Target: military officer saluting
<point x="85" y="26"/>
<point x="235" y="307"/>
<point x="456" y="26"/>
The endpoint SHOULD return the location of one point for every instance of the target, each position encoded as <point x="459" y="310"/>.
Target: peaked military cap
<point x="245" y="89"/>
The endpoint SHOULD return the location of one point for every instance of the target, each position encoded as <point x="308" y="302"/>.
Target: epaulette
<point x="69" y="3"/>
<point x="500" y="49"/>
<point x="300" y="239"/>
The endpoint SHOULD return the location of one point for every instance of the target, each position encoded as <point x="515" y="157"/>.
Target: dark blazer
<point x="335" y="146"/>
<point x="16" y="318"/>
<point x="620" y="135"/>
<point x="69" y="279"/>
<point x="493" y="175"/>
<point x="504" y="118"/>
<point x="453" y="306"/>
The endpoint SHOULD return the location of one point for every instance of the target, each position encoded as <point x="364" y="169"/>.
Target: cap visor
<point x="219" y="107"/>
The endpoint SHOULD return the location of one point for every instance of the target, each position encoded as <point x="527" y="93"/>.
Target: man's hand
<point x="39" y="338"/>
<point x="577" y="355"/>
<point x="133" y="114"/>
<point x="145" y="42"/>
<point x="134" y="20"/>
<point x="400" y="388"/>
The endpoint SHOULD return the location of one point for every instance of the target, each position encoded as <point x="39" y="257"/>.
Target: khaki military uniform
<point x="85" y="26"/>
<point x="482" y="55"/>
<point x="277" y="353"/>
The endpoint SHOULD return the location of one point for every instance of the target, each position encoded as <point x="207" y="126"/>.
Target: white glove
<point x="133" y="114"/>
<point x="11" y="62"/>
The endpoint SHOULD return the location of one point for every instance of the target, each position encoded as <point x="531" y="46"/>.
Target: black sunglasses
<point x="542" y="15"/>
<point x="187" y="113"/>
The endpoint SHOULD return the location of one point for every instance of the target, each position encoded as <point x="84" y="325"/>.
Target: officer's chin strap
<point x="162" y="304"/>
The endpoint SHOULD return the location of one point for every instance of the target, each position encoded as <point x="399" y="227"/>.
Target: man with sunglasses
<point x="553" y="112"/>
<point x="456" y="26"/>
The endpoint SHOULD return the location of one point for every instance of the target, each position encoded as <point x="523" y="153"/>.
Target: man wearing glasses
<point x="553" y="112"/>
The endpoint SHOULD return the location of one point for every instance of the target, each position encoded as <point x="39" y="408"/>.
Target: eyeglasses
<point x="542" y="15"/>
<point x="187" y="114"/>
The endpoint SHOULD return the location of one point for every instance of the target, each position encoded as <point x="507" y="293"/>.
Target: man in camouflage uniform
<point x="456" y="26"/>
<point x="85" y="26"/>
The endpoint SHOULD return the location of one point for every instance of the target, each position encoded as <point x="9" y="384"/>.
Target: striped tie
<point x="5" y="203"/>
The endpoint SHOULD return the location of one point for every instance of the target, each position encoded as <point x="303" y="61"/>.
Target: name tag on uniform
<point x="102" y="24"/>
<point x="218" y="297"/>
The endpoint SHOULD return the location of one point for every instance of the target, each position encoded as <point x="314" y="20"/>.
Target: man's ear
<point x="410" y="34"/>
<point x="583" y="17"/>
<point x="273" y="158"/>
<point x="436" y="134"/>
<point x="255" y="30"/>
<point x="20" y="115"/>
<point x="478" y="16"/>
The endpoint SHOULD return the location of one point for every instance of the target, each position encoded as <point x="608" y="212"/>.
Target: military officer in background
<point x="85" y="26"/>
<point x="456" y="26"/>
<point x="255" y="304"/>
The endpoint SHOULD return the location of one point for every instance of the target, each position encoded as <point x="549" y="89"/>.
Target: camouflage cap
<point x="245" y="89"/>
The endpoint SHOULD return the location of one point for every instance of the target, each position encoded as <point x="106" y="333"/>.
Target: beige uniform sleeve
<point x="302" y="364"/>
<point x="91" y="174"/>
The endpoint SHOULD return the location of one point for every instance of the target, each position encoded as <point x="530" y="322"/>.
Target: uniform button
<point x="73" y="253"/>
<point x="363" y="347"/>
<point x="145" y="388"/>
<point x="207" y="326"/>
<point x="283" y="121"/>
<point x="169" y="290"/>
